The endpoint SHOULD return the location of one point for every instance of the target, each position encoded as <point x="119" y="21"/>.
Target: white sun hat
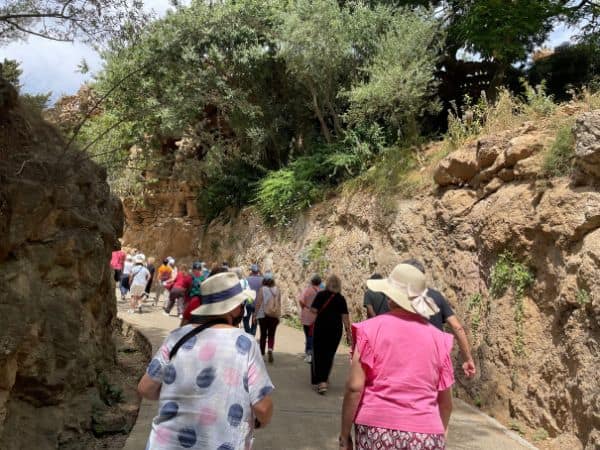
<point x="221" y="293"/>
<point x="406" y="287"/>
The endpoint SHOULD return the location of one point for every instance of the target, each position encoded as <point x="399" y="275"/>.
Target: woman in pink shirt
<point x="398" y="392"/>
<point x="307" y="317"/>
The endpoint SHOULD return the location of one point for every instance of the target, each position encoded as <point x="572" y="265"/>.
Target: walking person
<point x="375" y="302"/>
<point x="117" y="260"/>
<point x="138" y="280"/>
<point x="268" y="311"/>
<point x="124" y="285"/>
<point x="210" y="381"/>
<point x="446" y="315"/>
<point x="164" y="275"/>
<point x="332" y="316"/>
<point x="179" y="291"/>
<point x="398" y="393"/>
<point x="151" y="270"/>
<point x="307" y="317"/>
<point x="255" y="281"/>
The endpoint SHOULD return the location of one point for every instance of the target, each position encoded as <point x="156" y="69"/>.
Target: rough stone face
<point x="59" y="224"/>
<point x="587" y="146"/>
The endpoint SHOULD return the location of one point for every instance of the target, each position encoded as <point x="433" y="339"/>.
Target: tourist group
<point x="210" y="377"/>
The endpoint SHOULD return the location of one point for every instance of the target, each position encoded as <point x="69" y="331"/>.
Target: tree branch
<point x="45" y="36"/>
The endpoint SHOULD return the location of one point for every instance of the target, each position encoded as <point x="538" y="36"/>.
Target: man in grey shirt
<point x="375" y="302"/>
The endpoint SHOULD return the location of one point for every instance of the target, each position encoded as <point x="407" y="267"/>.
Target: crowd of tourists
<point x="398" y="392"/>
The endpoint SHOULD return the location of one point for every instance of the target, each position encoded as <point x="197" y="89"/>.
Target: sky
<point x="52" y="66"/>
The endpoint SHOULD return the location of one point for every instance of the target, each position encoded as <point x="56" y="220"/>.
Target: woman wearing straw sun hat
<point x="398" y="392"/>
<point x="209" y="376"/>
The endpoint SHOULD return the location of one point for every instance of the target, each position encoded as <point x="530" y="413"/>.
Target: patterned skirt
<point x="374" y="438"/>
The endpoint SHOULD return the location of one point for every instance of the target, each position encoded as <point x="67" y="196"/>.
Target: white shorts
<point x="137" y="290"/>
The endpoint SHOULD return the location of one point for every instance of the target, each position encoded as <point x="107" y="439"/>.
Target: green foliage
<point x="316" y="255"/>
<point x="11" y="71"/>
<point x="293" y="321"/>
<point x="109" y="393"/>
<point x="508" y="272"/>
<point x="282" y="194"/>
<point x="539" y="435"/>
<point x="538" y="101"/>
<point x="399" y="87"/>
<point x="583" y="296"/>
<point x="517" y="426"/>
<point x="558" y="161"/>
<point x="501" y="32"/>
<point x="474" y="307"/>
<point x="232" y="185"/>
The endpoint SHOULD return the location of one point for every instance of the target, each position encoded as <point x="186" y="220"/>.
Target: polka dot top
<point x="207" y="390"/>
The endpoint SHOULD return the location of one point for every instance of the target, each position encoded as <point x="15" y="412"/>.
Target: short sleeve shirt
<point x="307" y="317"/>
<point x="330" y="313"/>
<point x="407" y="363"/>
<point x="207" y="390"/>
<point x="439" y="319"/>
<point x="140" y="276"/>
<point x="377" y="300"/>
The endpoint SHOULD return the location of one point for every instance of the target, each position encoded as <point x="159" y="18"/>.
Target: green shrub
<point x="507" y="272"/>
<point x="293" y="321"/>
<point x="558" y="161"/>
<point x="474" y="307"/>
<point x="109" y="393"/>
<point x="283" y="194"/>
<point x="539" y="435"/>
<point x="538" y="102"/>
<point x="231" y="186"/>
<point x="583" y="296"/>
<point x="316" y="254"/>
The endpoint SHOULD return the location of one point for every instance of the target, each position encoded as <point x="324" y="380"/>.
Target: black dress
<point x="327" y="333"/>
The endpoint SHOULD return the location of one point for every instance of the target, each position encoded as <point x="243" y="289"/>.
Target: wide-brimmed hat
<point x="222" y="293"/>
<point x="139" y="259"/>
<point x="406" y="287"/>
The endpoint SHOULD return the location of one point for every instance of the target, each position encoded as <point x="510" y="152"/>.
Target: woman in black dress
<point x="332" y="312"/>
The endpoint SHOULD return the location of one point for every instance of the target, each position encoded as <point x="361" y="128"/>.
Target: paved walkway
<point x="304" y="420"/>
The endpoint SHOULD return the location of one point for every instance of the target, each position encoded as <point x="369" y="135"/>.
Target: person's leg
<point x="180" y="303"/>
<point x="263" y="335"/>
<point x="273" y="322"/>
<point x="247" y="320"/>
<point x="131" y="303"/>
<point x="306" y="329"/>
<point x="170" y="301"/>
<point x="252" y="323"/>
<point x="333" y="341"/>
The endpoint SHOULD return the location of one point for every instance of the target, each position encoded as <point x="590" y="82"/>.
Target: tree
<point x="93" y="21"/>
<point x="317" y="49"/>
<point x="11" y="71"/>
<point x="400" y="85"/>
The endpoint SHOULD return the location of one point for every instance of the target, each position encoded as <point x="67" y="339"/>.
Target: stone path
<point x="304" y="420"/>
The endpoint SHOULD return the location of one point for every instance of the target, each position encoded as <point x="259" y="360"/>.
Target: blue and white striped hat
<point x="221" y="293"/>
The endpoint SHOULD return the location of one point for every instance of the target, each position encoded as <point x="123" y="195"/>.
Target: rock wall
<point x="536" y="355"/>
<point x="58" y="223"/>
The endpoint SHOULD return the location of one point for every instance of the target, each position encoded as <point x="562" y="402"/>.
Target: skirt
<point x="374" y="438"/>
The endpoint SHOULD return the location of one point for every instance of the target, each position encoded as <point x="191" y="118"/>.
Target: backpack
<point x="273" y="306"/>
<point x="196" y="282"/>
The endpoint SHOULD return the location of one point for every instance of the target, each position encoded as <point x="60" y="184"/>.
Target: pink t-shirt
<point x="117" y="259"/>
<point x="407" y="362"/>
<point x="307" y="297"/>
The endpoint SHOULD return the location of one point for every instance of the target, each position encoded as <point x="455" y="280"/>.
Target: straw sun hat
<point x="222" y="293"/>
<point x="406" y="287"/>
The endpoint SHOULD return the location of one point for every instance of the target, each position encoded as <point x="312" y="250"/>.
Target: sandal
<point x="322" y="388"/>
